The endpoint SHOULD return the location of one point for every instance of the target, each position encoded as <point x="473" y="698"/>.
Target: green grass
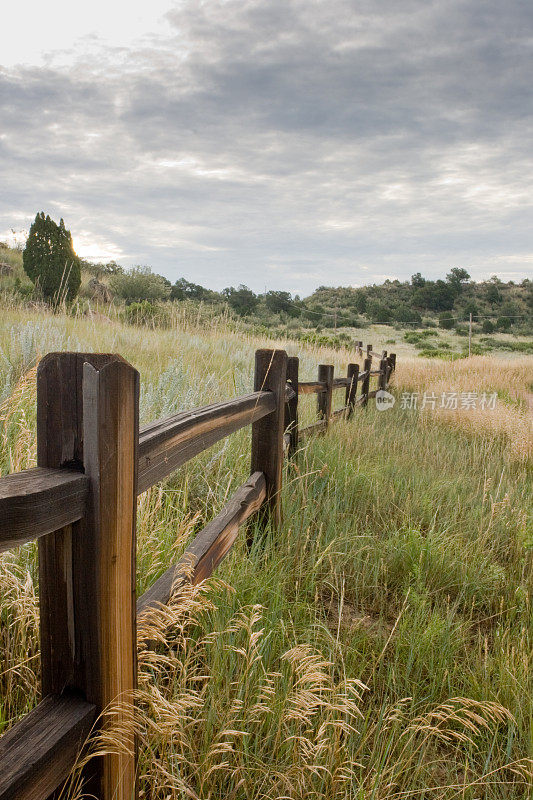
<point x="377" y="646"/>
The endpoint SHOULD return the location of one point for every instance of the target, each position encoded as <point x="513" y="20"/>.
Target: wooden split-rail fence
<point x="79" y="503"/>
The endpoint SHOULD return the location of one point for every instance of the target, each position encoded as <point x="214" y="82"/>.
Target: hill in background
<point x="429" y="315"/>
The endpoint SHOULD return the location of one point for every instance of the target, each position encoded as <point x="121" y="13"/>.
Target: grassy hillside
<point x="379" y="645"/>
<point x="425" y="316"/>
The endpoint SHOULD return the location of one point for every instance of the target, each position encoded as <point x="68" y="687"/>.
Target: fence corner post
<point x="87" y="570"/>
<point x="110" y="440"/>
<point x="291" y="406"/>
<point x="351" y="389"/>
<point x="267" y="432"/>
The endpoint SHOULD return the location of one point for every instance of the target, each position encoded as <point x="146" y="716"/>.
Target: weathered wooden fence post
<point x="291" y="406"/>
<point x="365" y="387"/>
<point x="324" y="399"/>
<point x="382" y="379"/>
<point x="369" y="351"/>
<point x="351" y="389"/>
<point x="392" y="359"/>
<point x="87" y="415"/>
<point x="267" y="433"/>
<point x="388" y="371"/>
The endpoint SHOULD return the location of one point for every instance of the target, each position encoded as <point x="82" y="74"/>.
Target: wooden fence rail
<point x="79" y="503"/>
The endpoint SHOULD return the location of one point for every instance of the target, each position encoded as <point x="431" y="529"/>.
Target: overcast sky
<point x="277" y="143"/>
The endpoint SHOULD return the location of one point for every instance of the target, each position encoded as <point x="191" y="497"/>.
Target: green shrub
<point x="446" y="320"/>
<point x="488" y="326"/>
<point x="434" y="352"/>
<point x="139" y="284"/>
<point x="475" y="349"/>
<point x="503" y="323"/>
<point x="241" y="299"/>
<point x="24" y="290"/>
<point x="516" y="347"/>
<point x="404" y="314"/>
<point x="146" y="313"/>
<point x="378" y="312"/>
<point x="419" y="338"/>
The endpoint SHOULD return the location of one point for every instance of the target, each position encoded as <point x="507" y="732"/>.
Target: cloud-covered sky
<point x="276" y="143"/>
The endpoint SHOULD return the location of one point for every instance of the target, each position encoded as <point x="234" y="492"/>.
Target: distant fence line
<point x="80" y="504"/>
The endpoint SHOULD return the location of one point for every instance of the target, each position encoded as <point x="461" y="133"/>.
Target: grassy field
<point x="379" y="645"/>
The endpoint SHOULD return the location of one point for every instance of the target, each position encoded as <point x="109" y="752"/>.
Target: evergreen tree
<point x="457" y="278"/>
<point x="242" y="299"/>
<point x="493" y="294"/>
<point x="49" y="259"/>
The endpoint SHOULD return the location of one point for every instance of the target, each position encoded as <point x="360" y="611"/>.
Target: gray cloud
<point x="288" y="144"/>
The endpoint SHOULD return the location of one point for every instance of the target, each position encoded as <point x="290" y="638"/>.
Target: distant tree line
<point x="51" y="263"/>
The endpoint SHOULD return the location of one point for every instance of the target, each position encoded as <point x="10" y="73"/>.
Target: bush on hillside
<point x="503" y="323"/>
<point x="414" y="337"/>
<point x="146" y="313"/>
<point x="406" y="315"/>
<point x="241" y="299"/>
<point x="378" y="312"/>
<point x="279" y="301"/>
<point x="139" y="284"/>
<point x="435" y="352"/>
<point x="515" y="347"/>
<point x="446" y="320"/>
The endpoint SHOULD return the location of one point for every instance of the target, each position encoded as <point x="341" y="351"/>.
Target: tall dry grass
<point x="378" y="646"/>
<point x="511" y="379"/>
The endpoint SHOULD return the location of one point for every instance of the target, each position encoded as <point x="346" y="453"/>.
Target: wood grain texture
<point x="291" y="406"/>
<point x="351" y="388"/>
<point x="267" y="433"/>
<point x="107" y="632"/>
<point x="311" y="387"/>
<point x="39" y="501"/>
<point x="324" y="400"/>
<point x="365" y="386"/>
<point x="61" y="554"/>
<point x="166" y="445"/>
<point x="210" y="546"/>
<point x="38" y="753"/>
<point x="340" y="383"/>
<point x="382" y="380"/>
<point x="339" y="412"/>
